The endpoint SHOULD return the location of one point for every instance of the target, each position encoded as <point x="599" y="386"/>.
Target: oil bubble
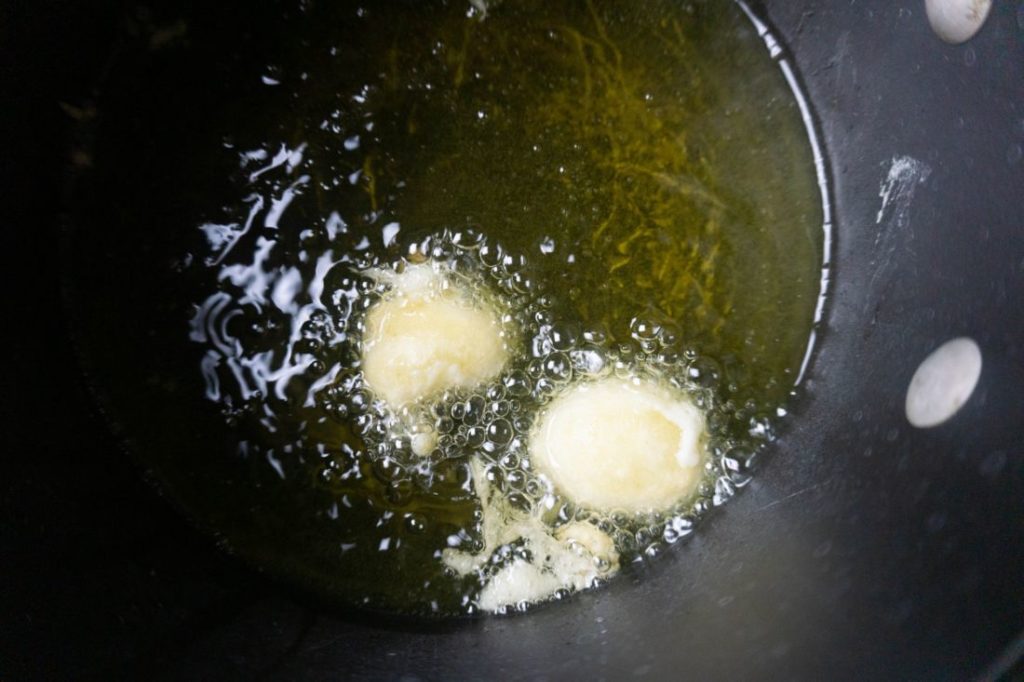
<point x="558" y="367"/>
<point x="500" y="432"/>
<point x="563" y="336"/>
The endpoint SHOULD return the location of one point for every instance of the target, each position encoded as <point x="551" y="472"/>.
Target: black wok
<point x="864" y="549"/>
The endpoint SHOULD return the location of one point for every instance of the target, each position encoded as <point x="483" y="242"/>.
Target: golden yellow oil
<point x="633" y="178"/>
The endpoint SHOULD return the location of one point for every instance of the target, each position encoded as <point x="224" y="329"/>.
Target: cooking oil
<point x="628" y="186"/>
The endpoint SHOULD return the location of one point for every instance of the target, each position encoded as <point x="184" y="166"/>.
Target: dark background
<point x="866" y="549"/>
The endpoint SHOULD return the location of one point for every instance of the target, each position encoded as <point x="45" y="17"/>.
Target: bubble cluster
<point x="413" y="451"/>
<point x="446" y="425"/>
<point x="494" y="422"/>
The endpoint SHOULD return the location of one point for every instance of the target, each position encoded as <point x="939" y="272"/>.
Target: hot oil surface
<point x="630" y="185"/>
